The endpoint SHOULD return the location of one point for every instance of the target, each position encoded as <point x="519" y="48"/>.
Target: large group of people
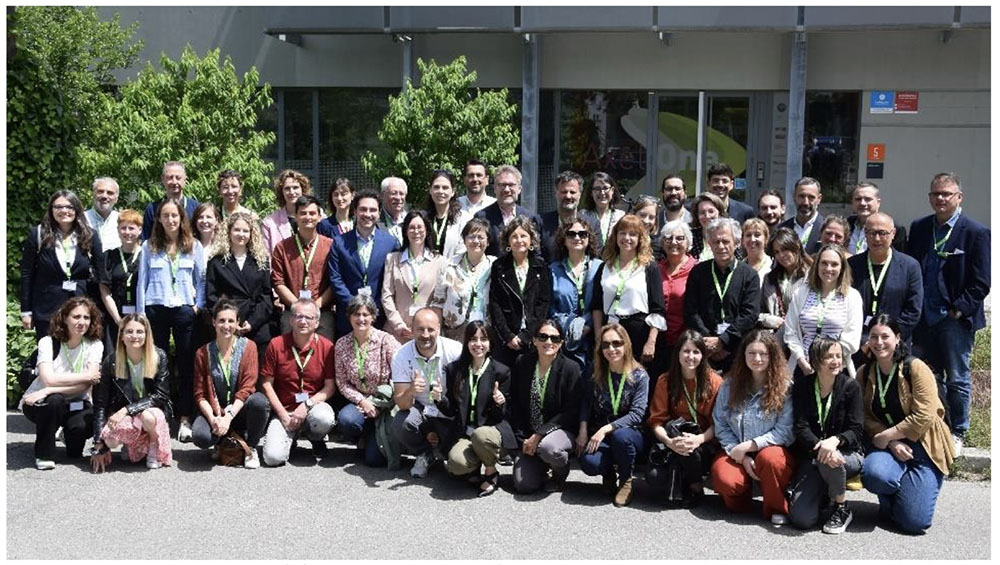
<point x="703" y="341"/>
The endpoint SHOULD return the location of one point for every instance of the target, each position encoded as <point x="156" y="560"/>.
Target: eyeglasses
<point x="877" y="233"/>
<point x="675" y="238"/>
<point x="613" y="344"/>
<point x="475" y="237"/>
<point x="944" y="195"/>
<point x="304" y="318"/>
<point x="577" y="234"/>
<point x="604" y="188"/>
<point x="554" y="338"/>
<point x="506" y="185"/>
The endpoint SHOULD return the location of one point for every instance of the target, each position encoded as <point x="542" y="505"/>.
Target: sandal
<point x="491" y="480"/>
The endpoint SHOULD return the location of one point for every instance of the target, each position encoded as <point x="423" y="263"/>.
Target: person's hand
<point x="514" y="343"/>
<point x="687" y="443"/>
<point x="531" y="444"/>
<point x="35" y="397"/>
<point x="750" y="468"/>
<point x="674" y="444"/>
<point x="805" y="366"/>
<point x="419" y="383"/>
<point x="224" y="423"/>
<point x="827" y="452"/>
<point x="954" y="314"/>
<point x="649" y="350"/>
<point x="498" y="396"/>
<point x="581" y="442"/>
<point x="115" y="418"/>
<point x="436" y="392"/>
<point x="286" y="421"/>
<point x="367" y="408"/>
<point x="433" y="439"/>
<point x="900" y="451"/>
<point x="26" y="322"/>
<point x="739" y="452"/>
<point x="881" y="439"/>
<point x="865" y="348"/>
<point x="94" y="375"/>
<point x="595" y="440"/>
<point x="100" y="462"/>
<point x="243" y="328"/>
<point x="405" y="334"/>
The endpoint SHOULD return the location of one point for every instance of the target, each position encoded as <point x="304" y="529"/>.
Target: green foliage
<point x="193" y="110"/>
<point x="20" y="346"/>
<point x="440" y="124"/>
<point x="57" y="79"/>
<point x="980" y="360"/>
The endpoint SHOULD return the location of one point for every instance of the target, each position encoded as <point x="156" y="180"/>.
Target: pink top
<point x="275" y="228"/>
<point x="378" y="364"/>
<point x="673" y="296"/>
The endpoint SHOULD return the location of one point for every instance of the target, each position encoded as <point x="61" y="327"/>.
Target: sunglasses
<point x="613" y="344"/>
<point x="554" y="338"/>
<point x="573" y="234"/>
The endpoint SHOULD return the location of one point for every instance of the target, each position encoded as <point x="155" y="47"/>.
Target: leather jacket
<point x="111" y="394"/>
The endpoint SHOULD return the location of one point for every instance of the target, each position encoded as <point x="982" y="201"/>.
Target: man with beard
<point x="507" y="185"/>
<point x="720" y="183"/>
<point x="807" y="220"/>
<point x="673" y="193"/>
<point x="103" y="217"/>
<point x="475" y="177"/>
<point x="568" y="186"/>
<point x="866" y="202"/>
<point x="771" y="208"/>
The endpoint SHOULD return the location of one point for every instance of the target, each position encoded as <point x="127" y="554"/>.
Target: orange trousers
<point x="774" y="465"/>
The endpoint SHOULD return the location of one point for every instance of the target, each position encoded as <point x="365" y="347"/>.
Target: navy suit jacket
<point x="148" y="218"/>
<point x="812" y="244"/>
<point x="902" y="295"/>
<point x="493" y="215"/>
<point x="347" y="276"/>
<point x="964" y="278"/>
<point x="739" y="211"/>
<point x="549" y="226"/>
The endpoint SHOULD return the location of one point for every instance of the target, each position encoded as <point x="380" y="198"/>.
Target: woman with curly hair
<point x="289" y="185"/>
<point x="446" y="214"/>
<point x="573" y="271"/>
<point x="753" y="421"/>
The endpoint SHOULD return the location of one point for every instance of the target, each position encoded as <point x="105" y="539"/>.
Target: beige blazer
<point x="397" y="289"/>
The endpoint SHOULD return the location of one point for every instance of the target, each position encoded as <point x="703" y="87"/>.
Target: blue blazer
<point x="812" y="244"/>
<point x="902" y="291"/>
<point x="549" y="226"/>
<point x="493" y="215"/>
<point x="739" y="211"/>
<point x="346" y="275"/>
<point x="964" y="278"/>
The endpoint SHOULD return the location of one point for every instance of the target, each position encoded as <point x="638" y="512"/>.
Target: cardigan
<point x="397" y="287"/>
<point x="660" y="411"/>
<point x="455" y="403"/>
<point x="561" y="405"/>
<point x="509" y="308"/>
<point x="844" y="420"/>
<point x="246" y="377"/>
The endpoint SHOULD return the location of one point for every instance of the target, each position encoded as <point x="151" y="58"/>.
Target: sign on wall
<point x="907" y="102"/>
<point x="881" y="102"/>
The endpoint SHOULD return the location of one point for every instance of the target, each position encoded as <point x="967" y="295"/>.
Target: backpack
<point x="29" y="370"/>
<point x="942" y="392"/>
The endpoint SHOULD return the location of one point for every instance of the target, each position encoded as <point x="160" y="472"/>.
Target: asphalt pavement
<point x="337" y="508"/>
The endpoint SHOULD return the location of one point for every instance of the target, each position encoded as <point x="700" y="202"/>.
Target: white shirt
<point x="107" y="229"/>
<point x="405" y="362"/>
<point x="63" y="363"/>
<point x="800" y="231"/>
<point x="471" y="208"/>
<point x="858" y="242"/>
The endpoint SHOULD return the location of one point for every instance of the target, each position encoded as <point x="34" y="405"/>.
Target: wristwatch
<point x="309" y="403"/>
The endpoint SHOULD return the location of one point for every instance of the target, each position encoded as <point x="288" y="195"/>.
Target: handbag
<point x="662" y="456"/>
<point x="233" y="450"/>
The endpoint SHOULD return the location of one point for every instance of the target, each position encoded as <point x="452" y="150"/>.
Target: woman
<point x="791" y="264"/>
<point x="476" y="401"/>
<point x="600" y="202"/>
<point x="755" y="237"/>
<point x="208" y="228"/>
<point x="410" y="276"/>
<point x="132" y="402"/>
<point x="447" y="216"/>
<point x="825" y="304"/>
<point x="230" y="187"/>
<point x="461" y="295"/>
<point x="828" y="433"/>
<point x="363" y="362"/>
<point x="69" y="360"/>
<point x="628" y="289"/>
<point x="611" y="414"/>
<point x="288" y="186"/>
<point x="121" y="265"/>
<point x="675" y="267"/>
<point x="241" y="272"/>
<point x="687" y="393"/>
<point x="647" y="209"/>
<point x="546" y="407"/>
<point x="340" y="220"/>
<point x="171" y="290"/>
<point x="520" y="289"/>
<point x="59" y="260"/>
<point x="225" y="378"/>
<point x="707" y="207"/>
<point x="904" y="420"/>
<point x="753" y="421"/>
<point x="573" y="274"/>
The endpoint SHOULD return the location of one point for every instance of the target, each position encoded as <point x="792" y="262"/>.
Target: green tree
<point x="195" y="110"/>
<point x="440" y="124"/>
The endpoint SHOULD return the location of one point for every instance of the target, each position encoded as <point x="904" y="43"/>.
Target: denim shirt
<point x="563" y="308"/>
<point x="596" y="407"/>
<point x="154" y="286"/>
<point x="751" y="422"/>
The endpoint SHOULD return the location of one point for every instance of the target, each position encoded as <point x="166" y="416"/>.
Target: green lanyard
<point x="883" y="389"/>
<point x="175" y="265"/>
<point x="939" y="244"/>
<point x="365" y="254"/>
<point x="721" y="291"/>
<point x="129" y="272"/>
<point x="616" y="399"/>
<point x="308" y="261"/>
<point x="302" y="364"/>
<point x="522" y="279"/>
<point x="136" y="375"/>
<point x="622" y="278"/>
<point x="821" y="409"/>
<point x="474" y="388"/>
<point x="805" y="235"/>
<point x="478" y="284"/>
<point x="439" y="232"/>
<point x="414" y="275"/>
<point x="66" y="244"/>
<point x="859" y="243"/>
<point x="76" y="364"/>
<point x="429" y="368"/>
<point x="360" y="356"/>
<point x="606" y="230"/>
<point x="822" y="311"/>
<point x="542" y="384"/>
<point x="227" y="370"/>
<point x="877" y="285"/>
<point x="578" y="282"/>
<point x="690" y="403"/>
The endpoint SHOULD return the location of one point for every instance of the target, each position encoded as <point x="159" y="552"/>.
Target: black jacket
<point x="494" y="216"/>
<point x="508" y="306"/>
<point x="902" y="292"/>
<point x="550" y="225"/>
<point x="563" y="394"/>
<point x="249" y="287"/>
<point x="846" y="418"/>
<point x="455" y="403"/>
<point x="110" y="395"/>
<point x="42" y="276"/>
<point x="741" y="301"/>
<point x="812" y="244"/>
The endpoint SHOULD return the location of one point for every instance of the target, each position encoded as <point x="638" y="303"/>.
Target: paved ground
<point x="339" y="509"/>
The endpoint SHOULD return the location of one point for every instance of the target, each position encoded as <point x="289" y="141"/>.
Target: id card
<point x="721" y="328"/>
<point x="128" y="309"/>
<point x="301" y="397"/>
<point x="175" y="301"/>
<point x="365" y="291"/>
<point x="76" y="406"/>
<point x="305" y="295"/>
<point x="69" y="285"/>
<point x="868" y="320"/>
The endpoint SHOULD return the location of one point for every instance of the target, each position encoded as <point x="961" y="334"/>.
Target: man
<point x="954" y="255"/>
<point x="297" y="378"/>
<point x="722" y="297"/>
<point x="507" y="185"/>
<point x="835" y="230"/>
<point x="720" y="183"/>
<point x="771" y="208"/>
<point x="299" y="269"/>
<point x="174" y="180"/>
<point x="103" y="217"/>
<point x="889" y="281"/>
<point x="417" y="383"/>
<point x="807" y="220"/>
<point x="475" y="179"/>
<point x="673" y="192"/>
<point x="357" y="258"/>
<point x="393" y="207"/>
<point x="865" y="201"/>
<point x="568" y="186"/>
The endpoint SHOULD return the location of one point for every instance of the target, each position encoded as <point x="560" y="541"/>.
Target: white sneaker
<point x="251" y="461"/>
<point x="779" y="519"/>
<point x="151" y="461"/>
<point x="44" y="464"/>
<point x="59" y="435"/>
<point x="959" y="442"/>
<point x="421" y="465"/>
<point x="184" y="432"/>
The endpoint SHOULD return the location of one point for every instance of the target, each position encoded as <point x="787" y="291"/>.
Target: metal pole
<point x="796" y="114"/>
<point x="700" y="165"/>
<point x="652" y="141"/>
<point x="529" y="123"/>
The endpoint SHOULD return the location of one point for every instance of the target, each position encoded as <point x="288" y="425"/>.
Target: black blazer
<point x="846" y="418"/>
<point x="508" y="306"/>
<point x="965" y="276"/>
<point x="812" y="244"/>
<point x="455" y="403"/>
<point x="740" y="211"/>
<point x="250" y="288"/>
<point x="110" y="394"/>
<point x="493" y="215"/>
<point x="563" y="394"/>
<point x="741" y="301"/>
<point x="42" y="276"/>
<point x="902" y="295"/>
<point x="898" y="242"/>
<point x="549" y="226"/>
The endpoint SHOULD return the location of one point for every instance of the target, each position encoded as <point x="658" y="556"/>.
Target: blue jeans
<point x="946" y="347"/>
<point x="616" y="452"/>
<point x="354" y="425"/>
<point x="907" y="491"/>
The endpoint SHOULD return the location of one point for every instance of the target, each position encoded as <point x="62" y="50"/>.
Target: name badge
<point x="430" y="410"/>
<point x="365" y="291"/>
<point x="868" y="320"/>
<point x="174" y="301"/>
<point x="69" y="285"/>
<point x="76" y="406"/>
<point x="128" y="309"/>
<point x="186" y="263"/>
<point x="721" y="328"/>
<point x="413" y="309"/>
<point x="301" y="397"/>
<point x="305" y="295"/>
<point x="469" y="430"/>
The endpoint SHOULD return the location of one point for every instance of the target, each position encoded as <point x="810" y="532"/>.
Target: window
<point x="831" y="142"/>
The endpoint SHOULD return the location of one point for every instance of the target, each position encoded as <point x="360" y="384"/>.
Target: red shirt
<point x="288" y="266"/>
<point x="279" y="364"/>
<point x="673" y="297"/>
